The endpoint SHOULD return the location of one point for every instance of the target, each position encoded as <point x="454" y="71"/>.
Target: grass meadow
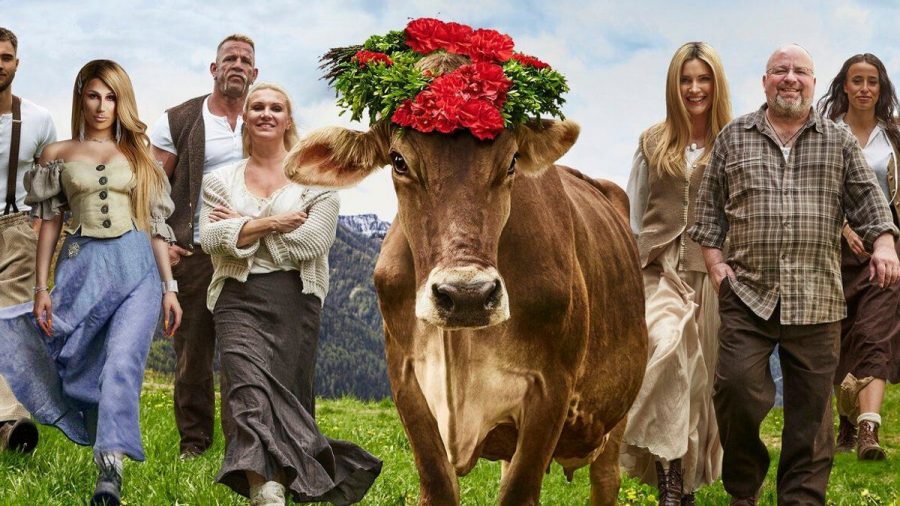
<point x="60" y="473"/>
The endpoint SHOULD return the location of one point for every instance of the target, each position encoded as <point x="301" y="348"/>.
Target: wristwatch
<point x="170" y="286"/>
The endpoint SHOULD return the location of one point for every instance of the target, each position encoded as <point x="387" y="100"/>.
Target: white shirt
<point x="878" y="152"/>
<point x="282" y="200"/>
<point x="223" y="147"/>
<point x="37" y="132"/>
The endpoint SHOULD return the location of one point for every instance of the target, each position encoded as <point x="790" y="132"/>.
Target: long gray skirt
<point x="268" y="331"/>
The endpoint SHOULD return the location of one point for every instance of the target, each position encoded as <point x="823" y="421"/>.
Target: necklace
<point x="98" y="140"/>
<point x="784" y="143"/>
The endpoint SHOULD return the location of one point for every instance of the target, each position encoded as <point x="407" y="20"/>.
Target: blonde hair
<point x="674" y="133"/>
<point x="290" y="134"/>
<point x="131" y="133"/>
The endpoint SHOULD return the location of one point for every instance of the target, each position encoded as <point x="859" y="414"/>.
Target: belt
<point x="12" y="219"/>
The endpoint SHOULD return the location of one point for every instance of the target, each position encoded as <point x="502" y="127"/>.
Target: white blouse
<point x="878" y="153"/>
<point x="247" y="204"/>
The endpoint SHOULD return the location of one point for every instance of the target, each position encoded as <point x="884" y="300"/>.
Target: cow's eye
<point x="399" y="164"/>
<point x="512" y="165"/>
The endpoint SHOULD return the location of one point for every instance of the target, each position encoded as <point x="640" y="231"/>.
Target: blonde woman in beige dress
<point x="671" y="439"/>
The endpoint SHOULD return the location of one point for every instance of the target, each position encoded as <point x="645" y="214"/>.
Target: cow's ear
<point x="540" y="144"/>
<point x="338" y="157"/>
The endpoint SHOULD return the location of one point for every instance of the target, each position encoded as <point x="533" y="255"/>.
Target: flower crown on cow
<point x="496" y="89"/>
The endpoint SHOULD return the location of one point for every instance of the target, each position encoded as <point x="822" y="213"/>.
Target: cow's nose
<point x="457" y="299"/>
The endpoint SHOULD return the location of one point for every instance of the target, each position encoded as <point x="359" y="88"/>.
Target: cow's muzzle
<point x="463" y="297"/>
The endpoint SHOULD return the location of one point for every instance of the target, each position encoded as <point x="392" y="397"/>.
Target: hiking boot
<point x="674" y="490"/>
<point x="846" y="440"/>
<point x="18" y="435"/>
<point x="108" y="491"/>
<point x="867" y="447"/>
<point x="688" y="500"/>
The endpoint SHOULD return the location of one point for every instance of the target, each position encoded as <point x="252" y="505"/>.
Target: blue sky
<point x="614" y="54"/>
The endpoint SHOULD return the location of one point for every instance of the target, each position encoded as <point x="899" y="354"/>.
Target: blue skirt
<point x="86" y="378"/>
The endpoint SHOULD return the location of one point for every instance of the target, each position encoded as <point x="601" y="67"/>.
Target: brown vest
<point x="189" y="137"/>
<point x="670" y="211"/>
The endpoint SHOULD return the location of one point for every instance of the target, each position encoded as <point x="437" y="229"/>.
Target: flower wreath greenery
<point x="498" y="89"/>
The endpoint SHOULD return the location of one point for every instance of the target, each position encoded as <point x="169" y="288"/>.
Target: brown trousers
<point x="195" y="348"/>
<point x="744" y="393"/>
<point x="18" y="247"/>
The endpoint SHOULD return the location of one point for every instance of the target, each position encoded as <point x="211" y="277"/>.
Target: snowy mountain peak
<point x="366" y="224"/>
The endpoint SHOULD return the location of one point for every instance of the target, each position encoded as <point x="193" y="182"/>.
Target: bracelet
<point x="170" y="286"/>
<point x="40" y="289"/>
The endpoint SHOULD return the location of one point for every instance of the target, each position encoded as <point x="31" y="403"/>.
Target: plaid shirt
<point x="784" y="218"/>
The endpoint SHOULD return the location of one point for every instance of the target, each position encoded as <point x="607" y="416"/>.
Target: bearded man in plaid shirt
<point x="779" y="185"/>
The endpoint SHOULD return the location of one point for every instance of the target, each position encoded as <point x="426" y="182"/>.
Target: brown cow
<point x="512" y="302"/>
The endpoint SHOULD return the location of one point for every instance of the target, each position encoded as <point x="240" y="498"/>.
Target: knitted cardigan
<point x="305" y="248"/>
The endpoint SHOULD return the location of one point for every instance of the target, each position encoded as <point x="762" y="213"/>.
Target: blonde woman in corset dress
<point x="671" y="439"/>
<point x="81" y="349"/>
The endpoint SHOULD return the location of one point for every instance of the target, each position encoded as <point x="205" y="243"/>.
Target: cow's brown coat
<point x="557" y="377"/>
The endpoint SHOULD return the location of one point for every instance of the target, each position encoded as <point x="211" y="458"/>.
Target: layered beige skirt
<point x="672" y="417"/>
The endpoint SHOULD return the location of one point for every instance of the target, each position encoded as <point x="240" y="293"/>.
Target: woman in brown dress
<point x="862" y="98"/>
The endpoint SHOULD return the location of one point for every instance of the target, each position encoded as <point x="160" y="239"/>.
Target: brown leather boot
<point x="846" y="440"/>
<point x="674" y="480"/>
<point x="867" y="447"/>
<point x="661" y="483"/>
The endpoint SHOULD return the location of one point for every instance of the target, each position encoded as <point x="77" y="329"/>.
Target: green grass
<point x="61" y="473"/>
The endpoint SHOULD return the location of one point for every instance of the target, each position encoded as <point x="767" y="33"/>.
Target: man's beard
<point x="6" y="82"/>
<point x="232" y="91"/>
<point x="794" y="109"/>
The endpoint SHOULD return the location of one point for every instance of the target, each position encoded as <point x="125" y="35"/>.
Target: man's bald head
<point x="795" y="49"/>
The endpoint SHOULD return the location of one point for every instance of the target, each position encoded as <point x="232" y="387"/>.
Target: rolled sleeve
<point x="711" y="226"/>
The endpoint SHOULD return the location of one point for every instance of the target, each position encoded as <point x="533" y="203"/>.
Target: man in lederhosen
<point x="25" y="128"/>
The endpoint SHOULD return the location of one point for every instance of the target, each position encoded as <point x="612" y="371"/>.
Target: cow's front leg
<point x="542" y="422"/>
<point x="438" y="485"/>
<point x="605" y="474"/>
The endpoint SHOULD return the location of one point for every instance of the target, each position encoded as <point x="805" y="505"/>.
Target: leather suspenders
<point x="13" y="156"/>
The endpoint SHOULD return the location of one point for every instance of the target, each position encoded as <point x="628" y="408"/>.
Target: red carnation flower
<point x="454" y="37"/>
<point x="366" y="58"/>
<point x="403" y="115"/>
<point x="531" y="61"/>
<point x="481" y="118"/>
<point x="486" y="81"/>
<point x="448" y="84"/>
<point x="490" y="46"/>
<point x="420" y="34"/>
